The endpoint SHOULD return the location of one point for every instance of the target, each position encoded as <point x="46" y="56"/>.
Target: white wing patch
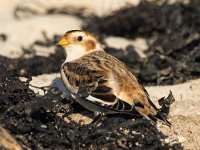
<point x="102" y="102"/>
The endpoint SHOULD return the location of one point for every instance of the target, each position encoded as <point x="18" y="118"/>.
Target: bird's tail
<point x="154" y="113"/>
<point x="159" y="116"/>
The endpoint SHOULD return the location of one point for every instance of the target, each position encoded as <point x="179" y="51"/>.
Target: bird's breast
<point x="66" y="82"/>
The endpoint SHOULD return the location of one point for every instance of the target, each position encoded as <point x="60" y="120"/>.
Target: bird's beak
<point x="63" y="42"/>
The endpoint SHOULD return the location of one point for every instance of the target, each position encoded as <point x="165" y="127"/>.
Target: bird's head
<point x="78" y="43"/>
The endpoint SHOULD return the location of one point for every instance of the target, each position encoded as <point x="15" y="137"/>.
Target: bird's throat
<point x="74" y="52"/>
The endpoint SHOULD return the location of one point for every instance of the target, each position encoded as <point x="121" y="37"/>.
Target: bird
<point x="100" y="82"/>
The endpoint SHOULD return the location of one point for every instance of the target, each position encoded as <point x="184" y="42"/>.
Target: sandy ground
<point x="184" y="114"/>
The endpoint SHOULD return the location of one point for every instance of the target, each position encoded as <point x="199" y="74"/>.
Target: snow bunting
<point x="111" y="87"/>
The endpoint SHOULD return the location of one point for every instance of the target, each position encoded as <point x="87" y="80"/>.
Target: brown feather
<point x="89" y="45"/>
<point x="90" y="70"/>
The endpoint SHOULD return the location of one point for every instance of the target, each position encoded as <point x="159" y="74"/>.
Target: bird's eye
<point x="80" y="38"/>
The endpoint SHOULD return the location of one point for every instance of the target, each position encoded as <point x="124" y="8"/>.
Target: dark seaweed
<point x="33" y="120"/>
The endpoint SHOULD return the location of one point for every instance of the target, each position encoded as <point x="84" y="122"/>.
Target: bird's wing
<point x="96" y="82"/>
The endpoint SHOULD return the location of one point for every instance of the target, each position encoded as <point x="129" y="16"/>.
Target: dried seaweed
<point x="173" y="36"/>
<point x="3" y="37"/>
<point x="34" y="122"/>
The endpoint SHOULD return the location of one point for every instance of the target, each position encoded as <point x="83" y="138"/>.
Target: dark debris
<point x="3" y="37"/>
<point x="165" y="103"/>
<point x="33" y="120"/>
<point x="173" y="35"/>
